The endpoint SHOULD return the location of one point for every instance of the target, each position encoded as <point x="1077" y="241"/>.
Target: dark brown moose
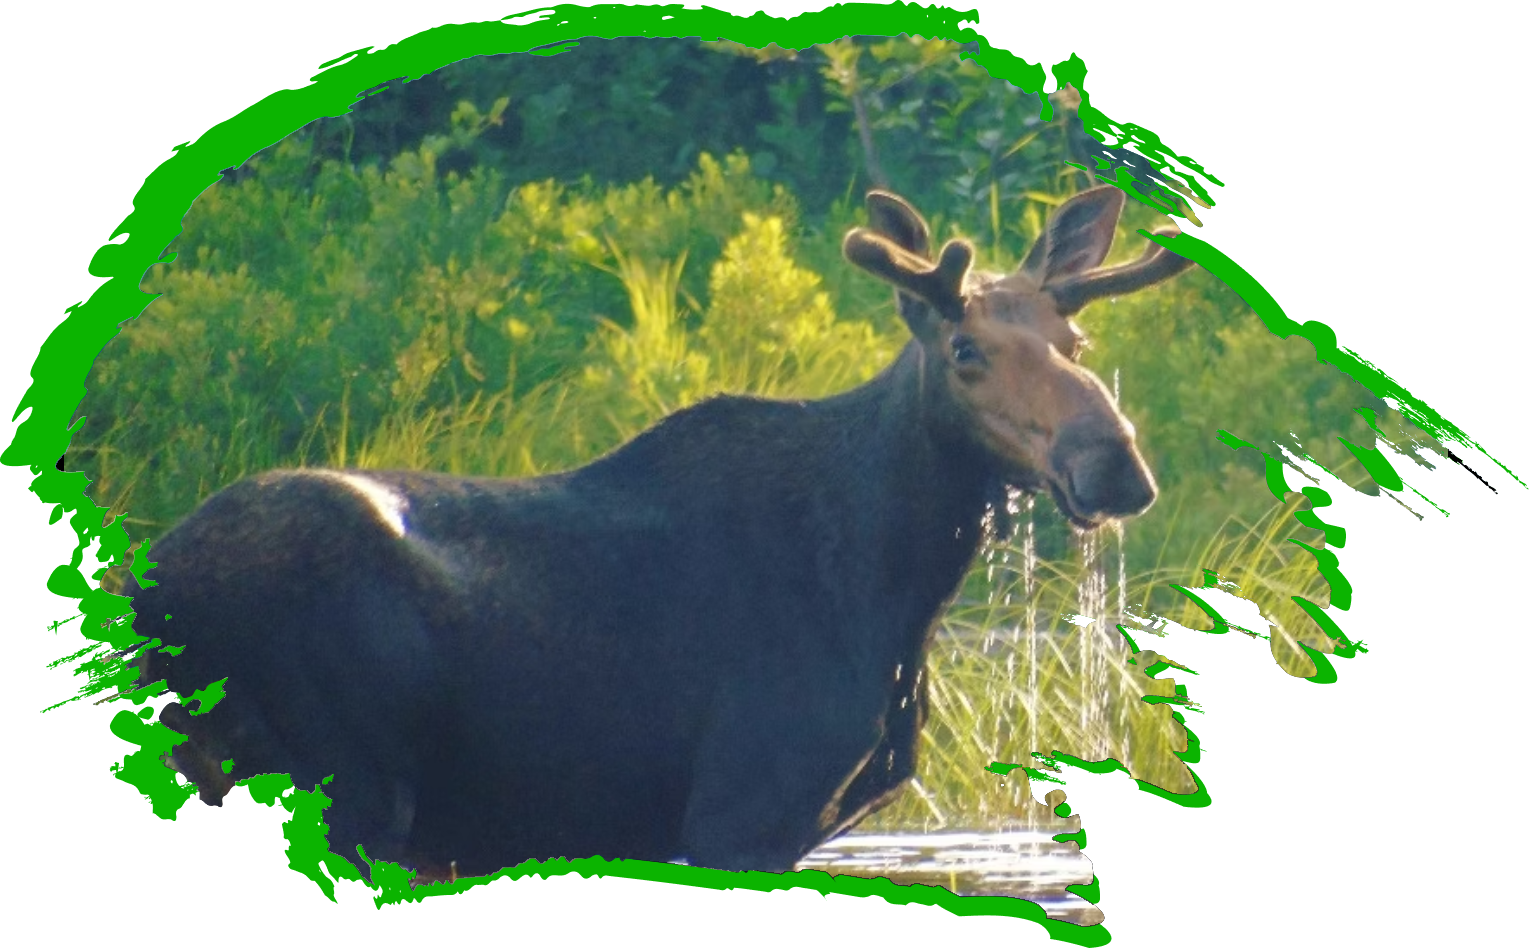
<point x="705" y="646"/>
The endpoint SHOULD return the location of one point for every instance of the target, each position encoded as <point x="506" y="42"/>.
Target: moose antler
<point x="937" y="283"/>
<point x="1156" y="264"/>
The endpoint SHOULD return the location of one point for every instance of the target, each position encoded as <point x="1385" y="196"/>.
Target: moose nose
<point x="1102" y="472"/>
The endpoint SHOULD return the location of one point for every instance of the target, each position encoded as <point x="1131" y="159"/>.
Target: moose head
<point x="1000" y="352"/>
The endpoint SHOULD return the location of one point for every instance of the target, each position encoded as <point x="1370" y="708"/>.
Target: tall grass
<point x="1010" y="680"/>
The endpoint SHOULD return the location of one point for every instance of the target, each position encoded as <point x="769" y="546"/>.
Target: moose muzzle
<point x="1098" y="474"/>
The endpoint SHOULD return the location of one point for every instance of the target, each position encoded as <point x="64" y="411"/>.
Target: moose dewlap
<point x="706" y="645"/>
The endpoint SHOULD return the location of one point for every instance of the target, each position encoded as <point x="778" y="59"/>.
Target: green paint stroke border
<point x="62" y="365"/>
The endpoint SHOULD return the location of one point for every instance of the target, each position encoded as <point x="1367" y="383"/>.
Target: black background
<point x="1329" y="801"/>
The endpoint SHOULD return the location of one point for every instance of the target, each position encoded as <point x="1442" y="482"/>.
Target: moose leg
<point x="895" y="759"/>
<point x="303" y="734"/>
<point x="327" y="682"/>
<point x="770" y="775"/>
<point x="200" y="757"/>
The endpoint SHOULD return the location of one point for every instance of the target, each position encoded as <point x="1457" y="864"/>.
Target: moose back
<point x="706" y="646"/>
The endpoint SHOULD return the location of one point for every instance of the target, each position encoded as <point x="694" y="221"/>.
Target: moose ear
<point x="896" y="220"/>
<point x="1078" y="236"/>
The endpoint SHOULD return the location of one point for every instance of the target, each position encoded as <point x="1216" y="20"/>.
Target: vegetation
<point x="515" y="264"/>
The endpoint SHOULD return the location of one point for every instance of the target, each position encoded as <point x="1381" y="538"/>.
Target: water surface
<point x="1019" y="863"/>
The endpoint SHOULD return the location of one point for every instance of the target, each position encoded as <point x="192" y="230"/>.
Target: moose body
<point x="707" y="645"/>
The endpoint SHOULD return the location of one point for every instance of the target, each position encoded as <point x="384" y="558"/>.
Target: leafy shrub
<point x="293" y="322"/>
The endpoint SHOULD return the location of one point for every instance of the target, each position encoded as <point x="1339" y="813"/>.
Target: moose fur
<point x="707" y="645"/>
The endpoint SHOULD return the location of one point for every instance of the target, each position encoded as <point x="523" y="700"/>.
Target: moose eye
<point x="963" y="349"/>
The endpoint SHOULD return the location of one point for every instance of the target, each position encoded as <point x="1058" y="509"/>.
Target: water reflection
<point x="1024" y="864"/>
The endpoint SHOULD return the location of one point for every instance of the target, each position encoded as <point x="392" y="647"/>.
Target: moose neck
<point x="924" y="481"/>
<point x="874" y="497"/>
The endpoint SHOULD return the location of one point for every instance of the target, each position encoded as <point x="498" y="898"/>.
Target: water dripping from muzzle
<point x="1100" y="644"/>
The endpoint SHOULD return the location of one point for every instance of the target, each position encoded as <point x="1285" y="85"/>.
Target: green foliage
<point x="616" y="111"/>
<point x="623" y="110"/>
<point x="1192" y="359"/>
<point x="393" y="318"/>
<point x="768" y="329"/>
<point x="771" y="328"/>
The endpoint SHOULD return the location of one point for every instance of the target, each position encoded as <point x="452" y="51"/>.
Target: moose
<point x="706" y="646"/>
